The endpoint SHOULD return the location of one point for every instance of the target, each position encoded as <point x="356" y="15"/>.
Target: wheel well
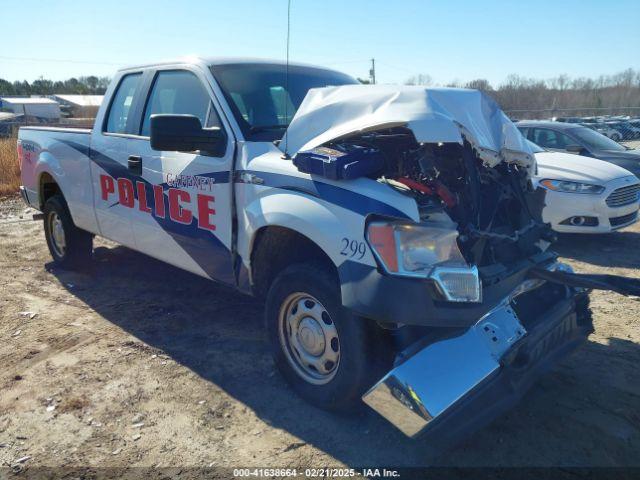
<point x="48" y="188"/>
<point x="275" y="248"/>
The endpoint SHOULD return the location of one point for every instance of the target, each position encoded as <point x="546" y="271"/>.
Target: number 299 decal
<point x="352" y="248"/>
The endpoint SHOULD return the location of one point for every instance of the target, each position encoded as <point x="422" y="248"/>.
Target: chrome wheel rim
<point x="58" y="240"/>
<point x="309" y="338"/>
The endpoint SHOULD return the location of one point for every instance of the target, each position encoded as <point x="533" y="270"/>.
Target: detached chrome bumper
<point x="456" y="385"/>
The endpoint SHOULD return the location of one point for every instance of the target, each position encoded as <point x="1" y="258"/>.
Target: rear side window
<point x="179" y="92"/>
<point x="122" y="103"/>
<point x="551" y="139"/>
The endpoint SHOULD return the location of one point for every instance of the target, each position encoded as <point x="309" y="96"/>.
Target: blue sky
<point x="447" y="40"/>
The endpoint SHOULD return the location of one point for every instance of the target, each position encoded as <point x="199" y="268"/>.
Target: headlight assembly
<point x="425" y="251"/>
<point x="572" y="187"/>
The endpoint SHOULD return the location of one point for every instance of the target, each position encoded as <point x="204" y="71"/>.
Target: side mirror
<point x="574" y="148"/>
<point x="184" y="133"/>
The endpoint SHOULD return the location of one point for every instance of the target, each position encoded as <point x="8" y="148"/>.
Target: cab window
<point x="122" y="103"/>
<point x="179" y="92"/>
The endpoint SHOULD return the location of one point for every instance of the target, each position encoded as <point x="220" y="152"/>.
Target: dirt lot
<point x="137" y="363"/>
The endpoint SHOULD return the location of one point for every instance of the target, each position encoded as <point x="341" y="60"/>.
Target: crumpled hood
<point x="566" y="166"/>
<point x="432" y="114"/>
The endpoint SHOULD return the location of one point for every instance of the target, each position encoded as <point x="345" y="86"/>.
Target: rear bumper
<point x="453" y="387"/>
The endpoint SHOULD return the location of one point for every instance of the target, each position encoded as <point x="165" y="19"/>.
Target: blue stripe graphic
<point x="341" y="197"/>
<point x="202" y="245"/>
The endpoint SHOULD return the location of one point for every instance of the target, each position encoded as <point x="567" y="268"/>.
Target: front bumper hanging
<point x="422" y="388"/>
<point x="454" y="386"/>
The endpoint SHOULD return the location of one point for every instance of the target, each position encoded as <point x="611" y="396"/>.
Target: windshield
<point x="263" y="100"/>
<point x="595" y="141"/>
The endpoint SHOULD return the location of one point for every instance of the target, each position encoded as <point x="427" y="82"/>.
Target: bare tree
<point x="420" y="79"/>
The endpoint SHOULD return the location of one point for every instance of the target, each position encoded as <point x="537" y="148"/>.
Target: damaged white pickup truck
<point x="393" y="231"/>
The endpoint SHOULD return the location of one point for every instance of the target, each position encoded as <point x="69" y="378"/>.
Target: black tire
<point x="78" y="244"/>
<point x="355" y="371"/>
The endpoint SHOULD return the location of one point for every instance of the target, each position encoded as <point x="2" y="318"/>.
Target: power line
<point x="57" y="60"/>
<point x="395" y="67"/>
<point x="345" y="62"/>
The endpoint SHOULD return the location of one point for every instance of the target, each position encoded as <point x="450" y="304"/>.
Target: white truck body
<point x="239" y="215"/>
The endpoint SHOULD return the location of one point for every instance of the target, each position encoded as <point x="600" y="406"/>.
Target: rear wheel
<point x="69" y="246"/>
<point x="322" y="350"/>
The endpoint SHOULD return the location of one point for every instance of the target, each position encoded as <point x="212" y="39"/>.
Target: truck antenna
<point x="286" y="83"/>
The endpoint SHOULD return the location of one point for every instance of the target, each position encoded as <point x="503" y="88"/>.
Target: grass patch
<point x="9" y="169"/>
<point x="71" y="404"/>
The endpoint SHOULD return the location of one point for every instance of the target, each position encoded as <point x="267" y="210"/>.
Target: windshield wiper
<point x="266" y="128"/>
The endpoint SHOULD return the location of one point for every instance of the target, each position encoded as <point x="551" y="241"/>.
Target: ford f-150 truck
<point x="393" y="232"/>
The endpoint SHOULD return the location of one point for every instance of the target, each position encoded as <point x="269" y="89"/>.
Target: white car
<point x="586" y="195"/>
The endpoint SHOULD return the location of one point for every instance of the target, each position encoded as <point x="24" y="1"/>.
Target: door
<point x="184" y="212"/>
<point x="114" y="199"/>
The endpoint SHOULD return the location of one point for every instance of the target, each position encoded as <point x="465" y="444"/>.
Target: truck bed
<point x="48" y="151"/>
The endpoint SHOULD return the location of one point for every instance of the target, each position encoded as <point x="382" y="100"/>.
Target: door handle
<point x="135" y="164"/>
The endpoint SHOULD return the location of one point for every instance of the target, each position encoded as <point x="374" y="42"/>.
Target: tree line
<point x="522" y="97"/>
<point x="525" y="97"/>
<point x="90" y="85"/>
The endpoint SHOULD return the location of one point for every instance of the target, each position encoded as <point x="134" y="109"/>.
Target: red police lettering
<point x="158" y="197"/>
<point x="125" y="192"/>
<point x="176" y="211"/>
<point x="107" y="186"/>
<point x="142" y="198"/>
<point x="179" y="201"/>
<point x="206" y="211"/>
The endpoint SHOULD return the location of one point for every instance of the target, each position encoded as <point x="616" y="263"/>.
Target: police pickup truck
<point x="393" y="232"/>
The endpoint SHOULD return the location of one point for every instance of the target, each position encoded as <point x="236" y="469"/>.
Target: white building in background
<point x="78" y="106"/>
<point x="44" y="109"/>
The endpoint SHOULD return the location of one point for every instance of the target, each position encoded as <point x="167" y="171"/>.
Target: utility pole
<point x="372" y="72"/>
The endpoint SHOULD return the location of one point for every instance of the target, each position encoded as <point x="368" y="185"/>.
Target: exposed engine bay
<point x="496" y="209"/>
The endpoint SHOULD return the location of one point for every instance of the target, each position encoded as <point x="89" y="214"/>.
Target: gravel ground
<point x="136" y="363"/>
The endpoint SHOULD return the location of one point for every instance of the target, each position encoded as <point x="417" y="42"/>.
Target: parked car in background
<point x="585" y="195"/>
<point x="568" y="119"/>
<point x="628" y="131"/>
<point x="578" y="139"/>
<point x="606" y="130"/>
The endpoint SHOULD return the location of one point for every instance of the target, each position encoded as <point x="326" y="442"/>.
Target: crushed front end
<point x="472" y="300"/>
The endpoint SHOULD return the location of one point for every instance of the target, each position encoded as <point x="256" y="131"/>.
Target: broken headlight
<point x="425" y="251"/>
<point x="572" y="187"/>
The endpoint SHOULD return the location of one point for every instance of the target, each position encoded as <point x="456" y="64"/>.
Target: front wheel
<point x="69" y="246"/>
<point x="322" y="350"/>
